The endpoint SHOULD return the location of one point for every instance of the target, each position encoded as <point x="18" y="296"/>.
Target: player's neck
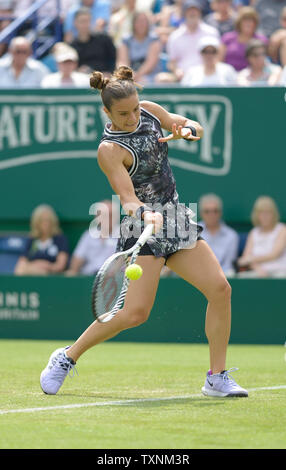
<point x="113" y="127"/>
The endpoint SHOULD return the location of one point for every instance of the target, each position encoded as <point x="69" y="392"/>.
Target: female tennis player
<point x="133" y="154"/>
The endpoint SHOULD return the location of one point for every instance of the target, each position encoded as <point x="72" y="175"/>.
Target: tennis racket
<point x="110" y="285"/>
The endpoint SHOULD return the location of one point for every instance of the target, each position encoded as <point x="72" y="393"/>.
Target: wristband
<point x="141" y="210"/>
<point x="194" y="132"/>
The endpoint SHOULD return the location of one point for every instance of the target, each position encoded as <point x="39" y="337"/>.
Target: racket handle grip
<point x="146" y="234"/>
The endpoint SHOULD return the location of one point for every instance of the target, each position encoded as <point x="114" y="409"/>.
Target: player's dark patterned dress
<point x="155" y="186"/>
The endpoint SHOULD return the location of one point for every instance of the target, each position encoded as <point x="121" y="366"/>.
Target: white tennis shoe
<point x="223" y="385"/>
<point x="53" y="376"/>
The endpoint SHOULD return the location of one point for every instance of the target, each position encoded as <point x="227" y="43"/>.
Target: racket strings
<point x="110" y="284"/>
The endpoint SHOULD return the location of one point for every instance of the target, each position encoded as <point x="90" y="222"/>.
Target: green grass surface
<point x="117" y="371"/>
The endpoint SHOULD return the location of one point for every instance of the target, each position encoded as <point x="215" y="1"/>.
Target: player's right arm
<point x="114" y="161"/>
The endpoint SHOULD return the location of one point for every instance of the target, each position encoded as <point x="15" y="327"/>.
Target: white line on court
<point x="121" y="402"/>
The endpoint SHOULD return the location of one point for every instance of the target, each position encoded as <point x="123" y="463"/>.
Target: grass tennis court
<point x="141" y="396"/>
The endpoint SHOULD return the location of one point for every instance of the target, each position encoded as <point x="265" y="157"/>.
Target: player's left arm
<point x="174" y="123"/>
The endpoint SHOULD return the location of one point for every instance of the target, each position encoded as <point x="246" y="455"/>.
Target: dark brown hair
<point x="120" y="85"/>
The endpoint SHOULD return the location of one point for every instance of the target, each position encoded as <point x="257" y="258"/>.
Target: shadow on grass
<point x="201" y="402"/>
<point x="151" y="402"/>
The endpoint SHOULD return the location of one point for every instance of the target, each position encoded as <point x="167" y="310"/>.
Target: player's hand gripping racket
<point x="110" y="285"/>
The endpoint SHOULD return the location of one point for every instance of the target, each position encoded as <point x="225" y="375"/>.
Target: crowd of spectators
<point x="47" y="249"/>
<point x="259" y="253"/>
<point x="183" y="42"/>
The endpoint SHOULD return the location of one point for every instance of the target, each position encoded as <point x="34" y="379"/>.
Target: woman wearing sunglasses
<point x="211" y="72"/>
<point x="260" y="71"/>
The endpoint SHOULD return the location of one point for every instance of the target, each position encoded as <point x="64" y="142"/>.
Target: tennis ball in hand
<point x="133" y="272"/>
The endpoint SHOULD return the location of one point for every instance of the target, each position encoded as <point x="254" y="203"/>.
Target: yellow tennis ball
<point x="133" y="272"/>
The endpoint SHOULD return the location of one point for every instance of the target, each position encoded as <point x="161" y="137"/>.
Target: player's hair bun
<point x="123" y="73"/>
<point x="119" y="85"/>
<point x="98" y="81"/>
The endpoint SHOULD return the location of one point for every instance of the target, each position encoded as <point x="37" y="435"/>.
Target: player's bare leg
<point x="199" y="267"/>
<point x="137" y="307"/>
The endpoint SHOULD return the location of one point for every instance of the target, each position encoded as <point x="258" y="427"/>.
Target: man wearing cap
<point x="182" y="45"/>
<point x="67" y="76"/>
<point x="210" y="72"/>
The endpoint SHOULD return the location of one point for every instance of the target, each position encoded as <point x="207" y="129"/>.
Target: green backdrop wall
<point x="49" y="140"/>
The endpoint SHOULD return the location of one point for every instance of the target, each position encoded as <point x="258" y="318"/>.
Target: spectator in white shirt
<point x="264" y="254"/>
<point x="97" y="243"/>
<point x="18" y="69"/>
<point x="222" y="239"/>
<point x="67" y="76"/>
<point x="211" y="72"/>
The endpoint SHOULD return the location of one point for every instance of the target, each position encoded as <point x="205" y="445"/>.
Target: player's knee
<point x="138" y="316"/>
<point x="221" y="289"/>
<point x="224" y="288"/>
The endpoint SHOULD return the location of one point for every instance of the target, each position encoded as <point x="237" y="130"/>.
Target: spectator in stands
<point x="121" y="21"/>
<point x="269" y="13"/>
<point x="141" y="50"/>
<point x="100" y="15"/>
<point x="95" y="50"/>
<point x="223" y="16"/>
<point x="18" y="69"/>
<point x="211" y="72"/>
<point x="260" y="70"/>
<point x="182" y="45"/>
<point x="277" y="42"/>
<point x="223" y="240"/>
<point x="67" y="76"/>
<point x="235" y="42"/>
<point x="6" y="13"/>
<point x="47" y="248"/>
<point x="97" y="243"/>
<point x="265" y="250"/>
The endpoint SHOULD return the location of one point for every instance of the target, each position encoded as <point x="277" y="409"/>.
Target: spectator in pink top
<point x="235" y="42"/>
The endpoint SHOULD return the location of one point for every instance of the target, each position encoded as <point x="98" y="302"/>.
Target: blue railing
<point x="38" y="26"/>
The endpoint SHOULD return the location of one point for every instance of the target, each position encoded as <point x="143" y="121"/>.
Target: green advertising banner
<point x="49" y="141"/>
<point x="59" y="308"/>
